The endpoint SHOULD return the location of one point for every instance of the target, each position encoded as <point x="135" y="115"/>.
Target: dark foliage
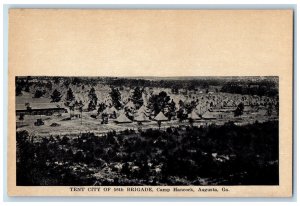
<point x="39" y="93"/>
<point x="93" y="99"/>
<point x="56" y="96"/>
<point x="137" y="97"/>
<point x="213" y="155"/>
<point x="92" y="105"/>
<point x="262" y="88"/>
<point x="158" y="102"/>
<point x="251" y="86"/>
<point x="22" y="84"/>
<point x="116" y="97"/>
<point x="171" y="110"/>
<point x="101" y="107"/>
<point x="18" y="90"/>
<point x="239" y="110"/>
<point x="70" y="96"/>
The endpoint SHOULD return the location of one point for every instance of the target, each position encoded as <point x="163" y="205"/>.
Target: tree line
<point x="261" y="87"/>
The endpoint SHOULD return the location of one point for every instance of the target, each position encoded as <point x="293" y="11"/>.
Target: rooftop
<point x="49" y="105"/>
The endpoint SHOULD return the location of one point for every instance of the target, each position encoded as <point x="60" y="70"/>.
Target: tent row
<point x="144" y="117"/>
<point x="141" y="117"/>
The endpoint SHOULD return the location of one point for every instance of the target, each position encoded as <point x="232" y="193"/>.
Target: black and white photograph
<point x="147" y="131"/>
<point x="150" y="102"/>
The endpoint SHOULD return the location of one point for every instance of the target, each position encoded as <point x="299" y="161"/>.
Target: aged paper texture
<point x="53" y="46"/>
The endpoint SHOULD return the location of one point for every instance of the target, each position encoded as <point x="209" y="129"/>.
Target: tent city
<point x="147" y="131"/>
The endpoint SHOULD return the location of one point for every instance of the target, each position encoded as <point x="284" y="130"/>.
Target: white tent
<point x="193" y="115"/>
<point x="143" y="109"/>
<point x="113" y="109"/>
<point x="209" y="115"/>
<point x="107" y="110"/>
<point x="161" y="117"/>
<point x="123" y="119"/>
<point x="142" y="118"/>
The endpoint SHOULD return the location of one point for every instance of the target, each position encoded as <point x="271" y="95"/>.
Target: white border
<point x="89" y="3"/>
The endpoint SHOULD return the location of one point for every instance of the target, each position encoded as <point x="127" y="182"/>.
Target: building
<point x="40" y="109"/>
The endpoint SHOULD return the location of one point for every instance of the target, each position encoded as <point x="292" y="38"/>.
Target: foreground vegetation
<point x="212" y="155"/>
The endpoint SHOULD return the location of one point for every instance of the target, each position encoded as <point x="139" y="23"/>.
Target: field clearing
<point x="74" y="126"/>
<point x="88" y="124"/>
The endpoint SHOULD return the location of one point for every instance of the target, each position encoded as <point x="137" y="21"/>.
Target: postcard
<point x="150" y="103"/>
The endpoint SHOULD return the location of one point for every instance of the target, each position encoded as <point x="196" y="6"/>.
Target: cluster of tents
<point x="210" y="107"/>
<point x="141" y="115"/>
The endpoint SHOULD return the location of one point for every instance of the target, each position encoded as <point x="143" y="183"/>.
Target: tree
<point x="76" y="81"/>
<point x="56" y="80"/>
<point x="171" y="110"/>
<point x="190" y="106"/>
<point x="92" y="105"/>
<point x="181" y="103"/>
<point x="20" y="84"/>
<point x="49" y="85"/>
<point x="192" y="87"/>
<point x="18" y="90"/>
<point x="56" y="96"/>
<point x="116" y="97"/>
<point x="38" y="93"/>
<point x="181" y="115"/>
<point x="27" y="86"/>
<point x="66" y="83"/>
<point x="175" y="89"/>
<point x="101" y="108"/>
<point x="158" y="102"/>
<point x="70" y="96"/>
<point x="70" y="100"/>
<point x="239" y="110"/>
<point x="137" y="96"/>
<point x="92" y="94"/>
<point x="21" y="117"/>
<point x="26" y="158"/>
<point x="93" y="99"/>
